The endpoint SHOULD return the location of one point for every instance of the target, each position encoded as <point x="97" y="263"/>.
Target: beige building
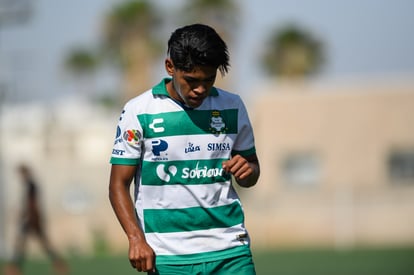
<point x="337" y="166"/>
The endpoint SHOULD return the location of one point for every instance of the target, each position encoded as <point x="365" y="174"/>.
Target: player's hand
<point x="141" y="255"/>
<point x="239" y="167"/>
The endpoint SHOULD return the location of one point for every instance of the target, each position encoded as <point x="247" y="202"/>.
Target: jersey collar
<point x="161" y="89"/>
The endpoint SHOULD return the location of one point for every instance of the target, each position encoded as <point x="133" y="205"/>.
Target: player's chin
<point x="194" y="103"/>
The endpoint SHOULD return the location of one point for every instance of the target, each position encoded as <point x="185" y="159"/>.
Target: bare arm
<point x="246" y="170"/>
<point x="141" y="255"/>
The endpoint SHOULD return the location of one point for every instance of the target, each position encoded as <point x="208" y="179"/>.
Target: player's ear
<point x="169" y="66"/>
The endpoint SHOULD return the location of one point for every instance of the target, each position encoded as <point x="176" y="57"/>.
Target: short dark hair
<point x="198" y="45"/>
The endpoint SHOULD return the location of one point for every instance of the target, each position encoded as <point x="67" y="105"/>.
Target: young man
<point x="182" y="141"/>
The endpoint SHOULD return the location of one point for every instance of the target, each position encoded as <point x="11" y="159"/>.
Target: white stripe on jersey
<point x="184" y="196"/>
<point x="205" y="241"/>
<point x="179" y="147"/>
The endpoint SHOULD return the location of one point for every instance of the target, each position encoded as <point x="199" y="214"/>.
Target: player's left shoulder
<point x="228" y="96"/>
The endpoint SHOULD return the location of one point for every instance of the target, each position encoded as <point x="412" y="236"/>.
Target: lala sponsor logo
<point x="192" y="148"/>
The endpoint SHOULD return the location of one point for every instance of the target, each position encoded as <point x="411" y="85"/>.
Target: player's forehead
<point x="200" y="73"/>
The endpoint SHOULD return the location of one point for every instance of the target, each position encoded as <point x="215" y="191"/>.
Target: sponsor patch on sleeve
<point x="132" y="137"/>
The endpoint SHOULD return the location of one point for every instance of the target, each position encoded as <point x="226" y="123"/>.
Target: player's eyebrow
<point x="194" y="79"/>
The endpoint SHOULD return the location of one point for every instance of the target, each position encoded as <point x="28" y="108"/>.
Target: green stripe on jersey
<point x="245" y="152"/>
<point x="193" y="218"/>
<point x="124" y="161"/>
<point x="188" y="122"/>
<point x="204" y="256"/>
<point x="183" y="172"/>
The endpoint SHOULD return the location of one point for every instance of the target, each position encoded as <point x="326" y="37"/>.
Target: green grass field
<point x="293" y="262"/>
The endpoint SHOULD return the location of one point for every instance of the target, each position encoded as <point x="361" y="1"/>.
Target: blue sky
<point x="361" y="38"/>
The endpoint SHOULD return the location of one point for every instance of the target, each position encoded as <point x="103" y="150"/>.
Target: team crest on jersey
<point x="217" y="123"/>
<point x="132" y="137"/>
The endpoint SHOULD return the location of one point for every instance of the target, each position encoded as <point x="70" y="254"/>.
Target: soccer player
<point x="182" y="142"/>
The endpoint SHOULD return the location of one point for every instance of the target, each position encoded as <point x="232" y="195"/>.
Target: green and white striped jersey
<point x="185" y="202"/>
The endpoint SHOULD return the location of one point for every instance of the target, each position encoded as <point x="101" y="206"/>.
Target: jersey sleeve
<point x="244" y="143"/>
<point x="128" y="139"/>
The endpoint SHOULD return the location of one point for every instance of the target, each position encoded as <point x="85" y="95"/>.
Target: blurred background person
<point x="31" y="222"/>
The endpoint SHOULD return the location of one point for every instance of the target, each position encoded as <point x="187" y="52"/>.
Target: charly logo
<point x="159" y="146"/>
<point x="165" y="175"/>
<point x="217" y="124"/>
<point x="154" y="127"/>
<point x="191" y="148"/>
<point x="132" y="137"/>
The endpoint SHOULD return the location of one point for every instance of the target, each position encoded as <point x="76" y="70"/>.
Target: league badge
<point x="132" y="137"/>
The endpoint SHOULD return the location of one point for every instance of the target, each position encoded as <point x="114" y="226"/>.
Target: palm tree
<point x="128" y="37"/>
<point x="81" y="61"/>
<point x="82" y="64"/>
<point x="222" y="15"/>
<point x="293" y="53"/>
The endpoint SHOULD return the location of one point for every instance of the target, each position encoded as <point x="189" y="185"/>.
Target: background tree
<point x="82" y="64"/>
<point x="292" y="53"/>
<point x="222" y="15"/>
<point x="129" y="38"/>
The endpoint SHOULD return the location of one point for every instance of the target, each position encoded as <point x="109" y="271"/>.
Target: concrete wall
<point x="351" y="132"/>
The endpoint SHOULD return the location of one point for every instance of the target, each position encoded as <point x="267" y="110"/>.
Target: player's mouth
<point x="196" y="101"/>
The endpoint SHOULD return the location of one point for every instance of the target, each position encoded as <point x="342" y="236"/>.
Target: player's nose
<point x="200" y="89"/>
